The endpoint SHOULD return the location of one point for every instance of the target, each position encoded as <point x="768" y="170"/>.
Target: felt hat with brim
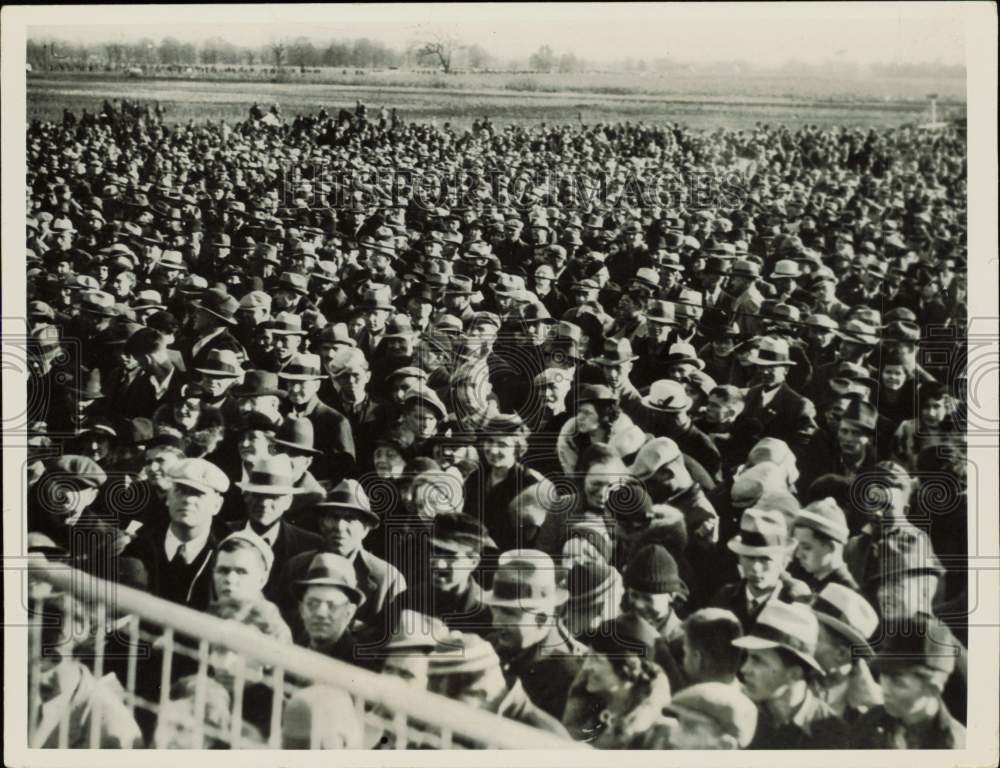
<point x="427" y="398"/>
<point x="667" y="396"/>
<point x="682" y="352"/>
<point x="616" y="352"/>
<point x="456" y="532"/>
<point x="415" y="631"/>
<point x="302" y="367"/>
<point x="220" y="363"/>
<point x="661" y="312"/>
<point x="847" y="613"/>
<point x="590" y="393"/>
<point x="463" y="653"/>
<point x="298" y="435"/>
<point x="99" y="303"/>
<point x="218" y="304"/>
<point x="378" y="297"/>
<point x="348" y="498"/>
<point x="859" y="332"/>
<point x="526" y="579"/>
<point x="862" y="414"/>
<point x="903" y="552"/>
<point x="148" y="299"/>
<point x="331" y="570"/>
<point x="271" y="476"/>
<point x="258" y="384"/>
<point x="919" y="642"/>
<point x="762" y="532"/>
<point x="792" y="626"/>
<point x="400" y="327"/>
<point x="770" y="352"/>
<point x="88" y="385"/>
<point x="293" y="281"/>
<point x="286" y="324"/>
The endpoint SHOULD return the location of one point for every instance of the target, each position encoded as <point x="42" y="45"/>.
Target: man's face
<point x="287" y="344"/>
<point x="284" y="300"/>
<point x="905" y="596"/>
<point x="375" y="320"/>
<point x="814" y="554"/>
<point x="121" y="286"/>
<point x="411" y="668"/>
<point x="422" y="421"/>
<point x="452" y="570"/>
<point x="302" y="392"/>
<point x="769" y="376"/>
<point x="217" y="386"/>
<point x="762" y="572"/>
<point x="904" y="692"/>
<point x="266" y="509"/>
<point x="192" y="508"/>
<point x="617" y="375"/>
<point x="933" y="412"/>
<point x="352" y="384"/>
<point x="157" y="464"/>
<point x="239" y="576"/>
<point x="852" y="439"/>
<point x="388" y="462"/>
<point x="765" y="676"/>
<point x="343" y="532"/>
<point x="517" y="629"/>
<point x="399" y="346"/>
<point x="717" y="412"/>
<point x="326" y="613"/>
<point x="250" y="318"/>
<point x="654" y="608"/>
<point x="554" y="392"/>
<point x="254" y="444"/>
<point x="820" y="337"/>
<point x="832" y="651"/>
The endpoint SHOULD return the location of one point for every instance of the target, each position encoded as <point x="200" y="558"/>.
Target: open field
<point x="700" y="102"/>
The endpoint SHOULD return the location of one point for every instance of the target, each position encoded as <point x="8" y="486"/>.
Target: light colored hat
<point x="762" y="532"/>
<point x="771" y="352"/>
<point x="271" y="476"/>
<point x="786" y="268"/>
<point x="199" y="474"/>
<point x="251" y="538"/>
<point x="726" y="705"/>
<point x="848" y="614"/>
<point x="826" y="518"/>
<point x="792" y="626"/>
<point x="526" y="579"/>
<point x="667" y="396"/>
<point x="304" y="366"/>
<point x="653" y="455"/>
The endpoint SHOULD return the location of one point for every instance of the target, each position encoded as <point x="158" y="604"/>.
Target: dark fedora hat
<point x="219" y="304"/>
<point x="298" y="435"/>
<point x="258" y="384"/>
<point x="349" y="498"/>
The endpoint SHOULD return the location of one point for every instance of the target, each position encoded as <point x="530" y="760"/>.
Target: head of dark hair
<point x="713" y="637"/>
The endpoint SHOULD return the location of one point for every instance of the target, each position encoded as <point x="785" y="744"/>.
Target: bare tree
<point x="439" y="48"/>
<point x="278" y="50"/>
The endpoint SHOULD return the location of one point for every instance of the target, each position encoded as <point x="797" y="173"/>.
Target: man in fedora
<point x="175" y="554"/>
<point x="914" y="663"/>
<point x="667" y="406"/>
<point x="328" y="597"/>
<point x="344" y="518"/>
<point x="777" y="674"/>
<point x="764" y="551"/>
<point x="302" y="376"/>
<point x="847" y="622"/>
<point x="218" y="370"/>
<point x="210" y="324"/>
<point x="532" y="642"/>
<point x="782" y="412"/>
<point x="160" y="378"/>
<point x="377" y="306"/>
<point x="267" y="496"/>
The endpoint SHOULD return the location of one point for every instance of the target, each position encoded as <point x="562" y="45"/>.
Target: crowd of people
<point x="642" y="466"/>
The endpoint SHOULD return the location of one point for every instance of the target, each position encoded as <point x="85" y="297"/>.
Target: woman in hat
<point x="598" y="419"/>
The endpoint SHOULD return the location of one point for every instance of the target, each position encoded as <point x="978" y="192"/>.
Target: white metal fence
<point x="402" y="716"/>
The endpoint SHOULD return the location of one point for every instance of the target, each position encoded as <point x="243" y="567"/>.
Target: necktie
<point x="179" y="558"/>
<point x="262" y="531"/>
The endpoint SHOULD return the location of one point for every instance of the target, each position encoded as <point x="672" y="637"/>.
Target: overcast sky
<point x="763" y="33"/>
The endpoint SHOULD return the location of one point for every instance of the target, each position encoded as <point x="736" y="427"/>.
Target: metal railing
<point x="386" y="705"/>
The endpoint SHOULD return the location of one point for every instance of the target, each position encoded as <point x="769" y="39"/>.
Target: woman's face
<point x="500" y="452"/>
<point x="598" y="484"/>
<point x="388" y="462"/>
<point x="587" y="420"/>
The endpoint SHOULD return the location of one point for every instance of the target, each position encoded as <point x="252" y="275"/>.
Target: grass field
<point x="701" y="102"/>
